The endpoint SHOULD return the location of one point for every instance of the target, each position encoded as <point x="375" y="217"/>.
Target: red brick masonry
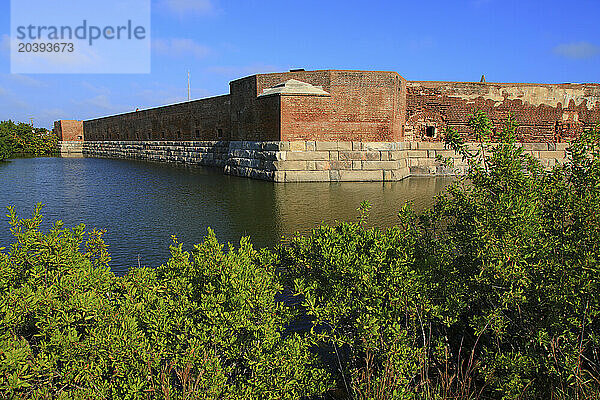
<point x="366" y="106"/>
<point x="69" y="130"/>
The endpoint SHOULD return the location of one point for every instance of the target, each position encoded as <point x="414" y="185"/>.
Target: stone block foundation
<point x="70" y="148"/>
<point x="307" y="161"/>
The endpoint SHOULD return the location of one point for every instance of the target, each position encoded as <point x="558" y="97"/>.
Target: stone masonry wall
<point x="73" y="148"/>
<point x="308" y="161"/>
<point x="207" y="153"/>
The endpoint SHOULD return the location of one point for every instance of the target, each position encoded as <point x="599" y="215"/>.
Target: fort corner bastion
<point x="332" y="125"/>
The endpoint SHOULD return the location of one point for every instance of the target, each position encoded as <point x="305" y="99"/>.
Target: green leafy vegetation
<point x="491" y="294"/>
<point x="22" y="138"/>
<point x="204" y="325"/>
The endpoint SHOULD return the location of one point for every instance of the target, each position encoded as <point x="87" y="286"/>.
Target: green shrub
<point x="205" y="325"/>
<point x="492" y="293"/>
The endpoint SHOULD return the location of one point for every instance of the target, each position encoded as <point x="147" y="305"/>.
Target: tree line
<point x="19" y="138"/>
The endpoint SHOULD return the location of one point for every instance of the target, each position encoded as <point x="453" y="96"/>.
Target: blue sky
<point x="218" y="40"/>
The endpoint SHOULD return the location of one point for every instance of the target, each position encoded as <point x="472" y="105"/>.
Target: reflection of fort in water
<point x="303" y="206"/>
<point x="141" y="204"/>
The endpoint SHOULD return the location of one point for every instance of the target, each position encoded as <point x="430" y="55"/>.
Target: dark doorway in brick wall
<point x="430" y="131"/>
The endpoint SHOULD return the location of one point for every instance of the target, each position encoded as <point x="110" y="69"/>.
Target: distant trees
<point x="22" y="138"/>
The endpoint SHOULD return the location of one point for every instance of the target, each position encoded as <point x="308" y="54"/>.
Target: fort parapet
<point x="335" y="125"/>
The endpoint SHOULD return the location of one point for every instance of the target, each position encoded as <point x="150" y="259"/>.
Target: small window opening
<point x="219" y="133"/>
<point x="430" y="131"/>
<point x="162" y="134"/>
<point x="197" y="133"/>
<point x="178" y="134"/>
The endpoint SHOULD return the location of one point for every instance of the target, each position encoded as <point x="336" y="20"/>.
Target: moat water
<point x="141" y="204"/>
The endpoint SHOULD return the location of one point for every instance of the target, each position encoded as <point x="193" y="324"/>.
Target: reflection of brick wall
<point x="545" y="113"/>
<point x="69" y="130"/>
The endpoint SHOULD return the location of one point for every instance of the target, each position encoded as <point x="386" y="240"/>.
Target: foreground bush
<point x="205" y="325"/>
<point x="494" y="293"/>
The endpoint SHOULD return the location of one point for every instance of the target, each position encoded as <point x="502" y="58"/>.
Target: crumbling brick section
<point x="544" y="112"/>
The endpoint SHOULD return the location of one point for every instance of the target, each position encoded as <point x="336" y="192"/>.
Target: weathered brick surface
<point x="69" y="130"/>
<point x="358" y="125"/>
<point x="361" y="107"/>
<point x="206" y="119"/>
<point x="544" y="112"/>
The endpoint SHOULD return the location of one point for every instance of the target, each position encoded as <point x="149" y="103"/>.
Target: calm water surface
<point x="141" y="204"/>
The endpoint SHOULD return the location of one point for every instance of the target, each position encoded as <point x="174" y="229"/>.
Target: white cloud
<point x="160" y="94"/>
<point x="161" y="97"/>
<point x="100" y="101"/>
<point x="25" y="80"/>
<point x="52" y="114"/>
<point x="96" y="89"/>
<point x="179" y="47"/>
<point x="11" y="101"/>
<point x="577" y="50"/>
<point x="186" y="7"/>
<point x="57" y="62"/>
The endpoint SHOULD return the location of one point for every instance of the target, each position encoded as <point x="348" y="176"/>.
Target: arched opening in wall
<point x="162" y="135"/>
<point x="219" y="133"/>
<point x="178" y="134"/>
<point x="430" y="131"/>
<point x="197" y="133"/>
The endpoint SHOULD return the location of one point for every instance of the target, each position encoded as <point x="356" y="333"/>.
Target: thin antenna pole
<point x="188" y="84"/>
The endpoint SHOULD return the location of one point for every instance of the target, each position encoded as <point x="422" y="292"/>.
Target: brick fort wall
<point x="544" y="112"/>
<point x="333" y="125"/>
